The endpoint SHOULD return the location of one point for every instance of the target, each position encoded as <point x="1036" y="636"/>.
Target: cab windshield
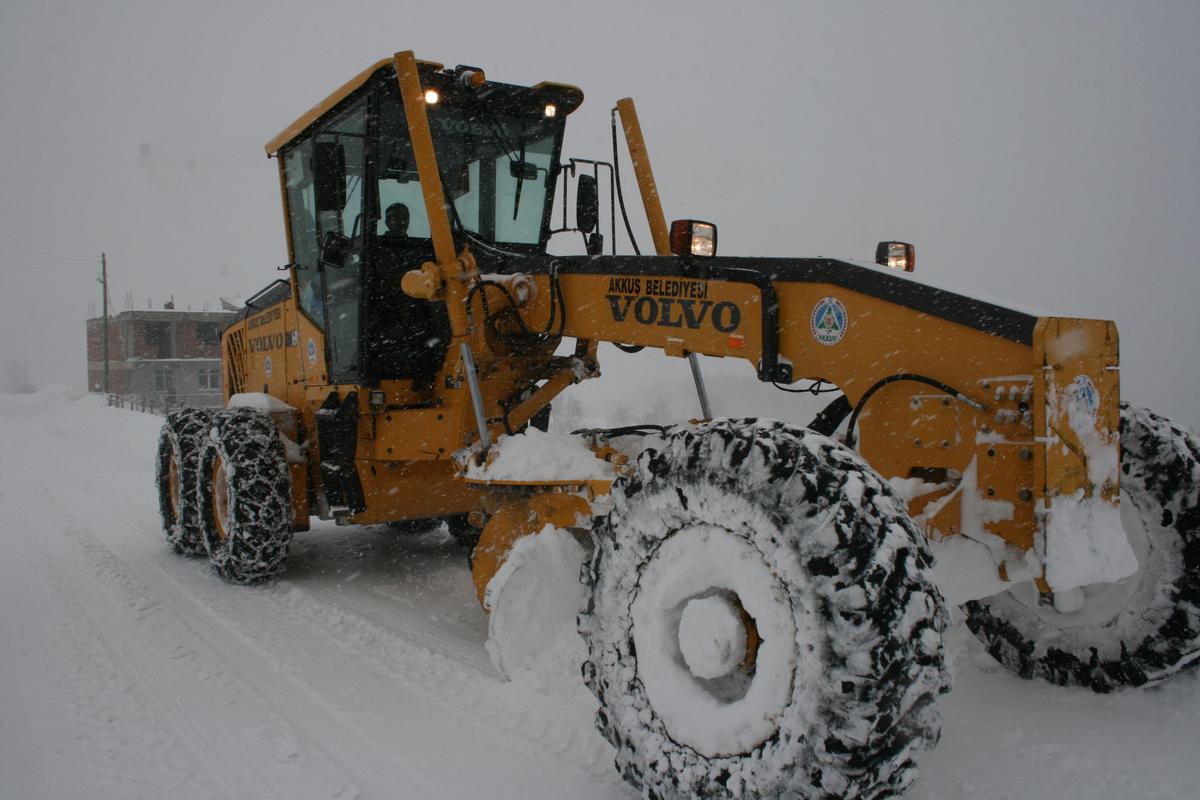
<point x="497" y="170"/>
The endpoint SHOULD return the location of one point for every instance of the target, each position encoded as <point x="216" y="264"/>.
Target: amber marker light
<point x="432" y="97"/>
<point x="551" y="110"/>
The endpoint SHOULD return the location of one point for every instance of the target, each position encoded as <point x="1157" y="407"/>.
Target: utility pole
<point x="104" y="329"/>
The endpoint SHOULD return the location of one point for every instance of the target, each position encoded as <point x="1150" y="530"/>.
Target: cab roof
<point x="568" y="97"/>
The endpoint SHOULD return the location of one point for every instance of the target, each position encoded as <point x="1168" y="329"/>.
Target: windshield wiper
<point x="520" y="178"/>
<point x="515" y="165"/>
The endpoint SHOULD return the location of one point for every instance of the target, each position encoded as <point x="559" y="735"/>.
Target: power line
<point x="48" y="254"/>
<point x="31" y="268"/>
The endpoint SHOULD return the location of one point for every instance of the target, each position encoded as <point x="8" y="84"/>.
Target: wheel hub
<point x="220" y="499"/>
<point x="716" y="639"/>
<point x="174" y="487"/>
<point x="712" y="636"/>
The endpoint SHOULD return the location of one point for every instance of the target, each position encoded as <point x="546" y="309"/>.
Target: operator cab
<point x="351" y="158"/>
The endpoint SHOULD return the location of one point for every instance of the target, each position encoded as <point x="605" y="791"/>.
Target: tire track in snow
<point x="549" y="711"/>
<point x="381" y="612"/>
<point x="281" y="632"/>
<point x="336" y="671"/>
<point x="244" y="737"/>
<point x="133" y="748"/>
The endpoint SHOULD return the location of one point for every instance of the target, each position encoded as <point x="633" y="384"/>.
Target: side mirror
<point x="594" y="244"/>
<point x="335" y="249"/>
<point x="329" y="176"/>
<point x="587" y="204"/>
<point x="522" y="170"/>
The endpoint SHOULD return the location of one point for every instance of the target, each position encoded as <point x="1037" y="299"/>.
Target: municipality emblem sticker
<point x="1083" y="396"/>
<point x="828" y="321"/>
<point x="267" y="366"/>
<point x="312" y="352"/>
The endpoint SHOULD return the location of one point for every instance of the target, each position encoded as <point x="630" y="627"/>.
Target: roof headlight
<point x="896" y="255"/>
<point x="690" y="237"/>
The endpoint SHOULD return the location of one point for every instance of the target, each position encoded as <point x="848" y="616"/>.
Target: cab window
<point x="396" y="170"/>
<point x="302" y="218"/>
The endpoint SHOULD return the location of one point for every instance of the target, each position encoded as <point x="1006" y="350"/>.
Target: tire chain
<point x="260" y="513"/>
<point x="891" y="706"/>
<point x="181" y="438"/>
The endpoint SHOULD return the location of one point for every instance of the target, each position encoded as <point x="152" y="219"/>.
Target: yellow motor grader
<point x="760" y="602"/>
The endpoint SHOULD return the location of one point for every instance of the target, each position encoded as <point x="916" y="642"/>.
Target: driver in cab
<point x="396" y="220"/>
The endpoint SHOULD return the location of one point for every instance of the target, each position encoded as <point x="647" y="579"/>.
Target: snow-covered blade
<point x="533" y="456"/>
<point x="533" y="598"/>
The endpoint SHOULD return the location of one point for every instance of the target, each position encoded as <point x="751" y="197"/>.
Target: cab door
<point x="339" y="161"/>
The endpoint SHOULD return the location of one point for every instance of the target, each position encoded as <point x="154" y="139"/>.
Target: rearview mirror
<point x="523" y="170"/>
<point x="397" y="169"/>
<point x="587" y="204"/>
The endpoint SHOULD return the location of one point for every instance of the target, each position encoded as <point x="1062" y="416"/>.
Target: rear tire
<point x="178" y="462"/>
<point x="245" y="497"/>
<point x="761" y="622"/>
<point x="1139" y="631"/>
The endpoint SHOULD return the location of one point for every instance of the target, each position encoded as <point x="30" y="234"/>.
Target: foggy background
<point x="1044" y="153"/>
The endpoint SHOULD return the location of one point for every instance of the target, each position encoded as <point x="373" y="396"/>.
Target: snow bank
<point x="59" y="392"/>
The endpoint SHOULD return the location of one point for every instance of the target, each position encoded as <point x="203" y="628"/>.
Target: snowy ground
<point x="131" y="672"/>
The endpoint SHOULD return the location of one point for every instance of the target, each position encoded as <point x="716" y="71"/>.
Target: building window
<point x="164" y="381"/>
<point x="157" y="336"/>
<point x="208" y="333"/>
<point x="209" y="378"/>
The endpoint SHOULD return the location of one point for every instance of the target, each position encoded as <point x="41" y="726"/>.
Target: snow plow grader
<point x="763" y="604"/>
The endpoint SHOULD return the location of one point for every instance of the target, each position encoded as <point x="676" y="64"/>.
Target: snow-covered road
<point x="131" y="672"/>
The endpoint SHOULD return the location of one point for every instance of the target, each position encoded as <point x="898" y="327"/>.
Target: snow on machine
<point x="760" y="602"/>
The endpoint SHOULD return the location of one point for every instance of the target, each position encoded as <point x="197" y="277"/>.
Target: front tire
<point x="179" y="443"/>
<point x="761" y="621"/>
<point x="1135" y="632"/>
<point x="245" y="497"/>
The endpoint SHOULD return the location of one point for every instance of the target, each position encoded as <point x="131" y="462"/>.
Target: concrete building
<point x="163" y="359"/>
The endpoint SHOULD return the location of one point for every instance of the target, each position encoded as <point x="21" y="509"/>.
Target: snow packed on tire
<point x="862" y="701"/>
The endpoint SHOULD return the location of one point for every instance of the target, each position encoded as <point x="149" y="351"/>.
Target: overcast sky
<point x="1047" y="153"/>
